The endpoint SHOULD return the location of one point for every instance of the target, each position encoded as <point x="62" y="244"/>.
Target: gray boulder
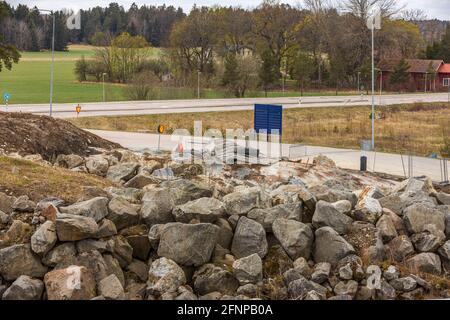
<point x="206" y="210"/>
<point x="44" y="239"/>
<point x="417" y="216"/>
<point x="18" y="260"/>
<point x="70" y="227"/>
<point x="241" y="202"/>
<point x="122" y="172"/>
<point x="23" y="204"/>
<point x="298" y="289"/>
<point x="442" y="198"/>
<point x="188" y="244"/>
<point x="111" y="288"/>
<point x="248" y="269"/>
<point x="266" y="217"/>
<point x="6" y="203"/>
<point x="69" y="161"/>
<point x="96" y="208"/>
<point x="122" y="213"/>
<point x="399" y="248"/>
<point x="326" y="215"/>
<point x="210" y="278"/>
<point x="24" y="288"/>
<point x="183" y="190"/>
<point x="386" y="228"/>
<point x="97" y="165"/>
<point x="157" y="206"/>
<point x="330" y="246"/>
<point x="140" y="181"/>
<point x="249" y="237"/>
<point x="425" y="262"/>
<point x="61" y="256"/>
<point x="321" y="272"/>
<point x="295" y="237"/>
<point x="429" y="240"/>
<point x="164" y="276"/>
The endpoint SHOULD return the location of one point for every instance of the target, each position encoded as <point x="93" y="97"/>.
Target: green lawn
<point x="29" y="82"/>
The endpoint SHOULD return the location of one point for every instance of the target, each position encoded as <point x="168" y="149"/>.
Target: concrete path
<point x="344" y="158"/>
<point x="208" y="105"/>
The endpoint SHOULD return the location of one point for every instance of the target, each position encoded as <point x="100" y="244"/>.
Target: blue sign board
<point x="6" y="96"/>
<point x="268" y="118"/>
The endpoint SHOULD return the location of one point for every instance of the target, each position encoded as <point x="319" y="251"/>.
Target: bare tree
<point x="414" y="15"/>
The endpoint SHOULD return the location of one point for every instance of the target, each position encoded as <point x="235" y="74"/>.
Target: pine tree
<point x="400" y="75"/>
<point x="231" y="73"/>
<point x="8" y="53"/>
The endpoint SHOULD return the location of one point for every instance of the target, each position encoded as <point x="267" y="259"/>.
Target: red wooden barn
<point x="425" y="75"/>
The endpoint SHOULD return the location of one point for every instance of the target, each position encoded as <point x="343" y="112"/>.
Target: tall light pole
<point x="52" y="67"/>
<point x="373" y="22"/>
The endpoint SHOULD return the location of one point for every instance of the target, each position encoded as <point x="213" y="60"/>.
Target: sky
<point x="439" y="9"/>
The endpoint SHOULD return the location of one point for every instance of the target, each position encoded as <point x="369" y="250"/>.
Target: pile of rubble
<point x="171" y="231"/>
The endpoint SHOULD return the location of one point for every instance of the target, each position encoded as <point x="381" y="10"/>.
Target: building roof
<point x="445" y="68"/>
<point x="416" y="65"/>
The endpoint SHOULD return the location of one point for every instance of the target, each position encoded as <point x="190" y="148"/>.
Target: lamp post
<point x="104" y="95"/>
<point x="381" y="82"/>
<point x="373" y="22"/>
<point x="52" y="67"/>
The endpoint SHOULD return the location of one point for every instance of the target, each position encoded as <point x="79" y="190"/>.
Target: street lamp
<point x="52" y="67"/>
<point x="104" y="95"/>
<point x="373" y="22"/>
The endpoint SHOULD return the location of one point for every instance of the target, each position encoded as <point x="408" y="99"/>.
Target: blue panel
<point x="268" y="117"/>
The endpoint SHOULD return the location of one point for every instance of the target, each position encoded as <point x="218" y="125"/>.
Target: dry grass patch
<point x="421" y="129"/>
<point x="20" y="177"/>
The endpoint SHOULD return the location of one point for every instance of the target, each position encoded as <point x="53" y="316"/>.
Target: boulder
<point x="69" y="161"/>
<point x="121" y="250"/>
<point x="206" y="210"/>
<point x="72" y="283"/>
<point x="343" y="206"/>
<point x="249" y="237"/>
<point x="295" y="237"/>
<point x="330" y="246"/>
<point x="23" y="204"/>
<point x="368" y="209"/>
<point x="444" y="253"/>
<point x="61" y="256"/>
<point x="429" y="240"/>
<point x="96" y="208"/>
<point x="24" y="288"/>
<point x="393" y="202"/>
<point x="183" y="190"/>
<point x="122" y="213"/>
<point x="241" y="202"/>
<point x="164" y="276"/>
<point x="122" y="172"/>
<point x="157" y="206"/>
<point x="70" y="227"/>
<point x="138" y="239"/>
<point x="97" y="165"/>
<point x="111" y="288"/>
<point x="6" y="203"/>
<point x="386" y="228"/>
<point x="88" y="245"/>
<point x="417" y="216"/>
<point x="44" y="239"/>
<point x="19" y="232"/>
<point x="106" y="228"/>
<point x="225" y="235"/>
<point x="140" y="181"/>
<point x="346" y="288"/>
<point x="188" y="244"/>
<point x="321" y="272"/>
<point x="18" y="260"/>
<point x="400" y="247"/>
<point x="442" y="198"/>
<point x="248" y="269"/>
<point x="266" y="217"/>
<point x="326" y="215"/>
<point x="425" y="262"/>
<point x="210" y="278"/>
<point x="404" y="284"/>
<point x="298" y="289"/>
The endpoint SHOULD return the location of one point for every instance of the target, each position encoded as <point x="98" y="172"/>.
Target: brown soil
<point x="25" y="134"/>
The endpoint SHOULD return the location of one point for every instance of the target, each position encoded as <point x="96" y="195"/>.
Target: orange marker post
<point x="78" y="110"/>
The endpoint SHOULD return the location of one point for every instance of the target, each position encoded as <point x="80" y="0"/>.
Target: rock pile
<point x="162" y="235"/>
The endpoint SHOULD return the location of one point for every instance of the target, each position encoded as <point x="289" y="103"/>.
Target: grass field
<point x="421" y="129"/>
<point x="29" y="82"/>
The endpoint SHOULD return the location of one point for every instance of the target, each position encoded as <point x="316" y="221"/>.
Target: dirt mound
<point x="25" y="133"/>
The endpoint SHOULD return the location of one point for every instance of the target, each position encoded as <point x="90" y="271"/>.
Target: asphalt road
<point x="345" y="158"/>
<point x="208" y="105"/>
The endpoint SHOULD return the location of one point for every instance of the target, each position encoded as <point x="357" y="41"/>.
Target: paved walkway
<point x="344" y="158"/>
